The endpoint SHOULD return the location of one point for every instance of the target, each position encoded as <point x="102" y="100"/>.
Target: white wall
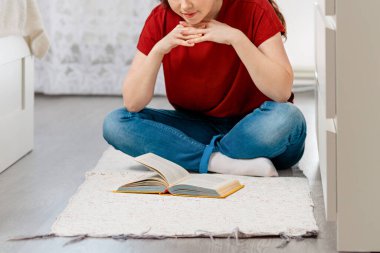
<point x="299" y="15"/>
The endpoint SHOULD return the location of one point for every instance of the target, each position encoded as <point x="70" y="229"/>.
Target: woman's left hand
<point x="213" y="31"/>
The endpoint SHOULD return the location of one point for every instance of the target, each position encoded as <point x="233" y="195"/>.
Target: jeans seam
<point x="127" y="115"/>
<point x="173" y="131"/>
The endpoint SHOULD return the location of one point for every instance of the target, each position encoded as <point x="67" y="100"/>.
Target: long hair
<point x="275" y="7"/>
<point x="279" y="15"/>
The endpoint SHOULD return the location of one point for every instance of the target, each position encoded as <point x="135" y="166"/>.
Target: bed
<point x="21" y="37"/>
<point x="16" y="100"/>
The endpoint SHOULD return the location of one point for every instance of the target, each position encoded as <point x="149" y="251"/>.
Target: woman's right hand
<point x="175" y="38"/>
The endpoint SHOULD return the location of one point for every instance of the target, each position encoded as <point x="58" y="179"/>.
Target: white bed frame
<point x="16" y="100"/>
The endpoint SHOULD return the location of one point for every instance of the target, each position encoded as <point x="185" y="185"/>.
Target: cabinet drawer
<point x="326" y="140"/>
<point x="325" y="60"/>
<point x="327" y="6"/>
<point x="330" y="181"/>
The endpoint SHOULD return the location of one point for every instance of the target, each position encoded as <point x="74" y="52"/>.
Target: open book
<point x="170" y="178"/>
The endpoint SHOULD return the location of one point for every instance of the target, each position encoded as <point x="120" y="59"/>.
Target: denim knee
<point x="274" y="124"/>
<point x="288" y="120"/>
<point x="266" y="132"/>
<point x="112" y="122"/>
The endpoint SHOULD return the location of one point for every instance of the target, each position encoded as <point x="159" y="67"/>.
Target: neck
<point x="215" y="10"/>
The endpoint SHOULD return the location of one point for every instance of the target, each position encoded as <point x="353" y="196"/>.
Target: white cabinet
<point x="348" y="122"/>
<point x="16" y="100"/>
<point x="326" y="107"/>
<point x="327" y="7"/>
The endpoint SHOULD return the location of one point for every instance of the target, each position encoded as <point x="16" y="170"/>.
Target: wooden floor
<point x="68" y="142"/>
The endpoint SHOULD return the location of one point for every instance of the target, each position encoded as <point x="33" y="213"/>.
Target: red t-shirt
<point x="210" y="78"/>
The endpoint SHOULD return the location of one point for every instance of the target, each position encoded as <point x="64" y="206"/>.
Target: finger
<point x="183" y="23"/>
<point x="187" y="37"/>
<point x="192" y="31"/>
<point x="180" y="28"/>
<point x="198" y="40"/>
<point x="202" y="25"/>
<point x="184" y="43"/>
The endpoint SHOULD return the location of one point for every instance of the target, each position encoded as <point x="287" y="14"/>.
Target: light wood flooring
<point x="68" y="142"/>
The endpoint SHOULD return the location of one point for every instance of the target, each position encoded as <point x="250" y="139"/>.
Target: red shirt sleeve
<point x="152" y="31"/>
<point x="267" y="24"/>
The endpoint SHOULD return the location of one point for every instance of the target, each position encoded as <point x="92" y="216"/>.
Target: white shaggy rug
<point x="277" y="206"/>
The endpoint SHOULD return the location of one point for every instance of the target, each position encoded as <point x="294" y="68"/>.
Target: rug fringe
<point x="235" y="233"/>
<point x="24" y="238"/>
<point x="208" y="233"/>
<point x="77" y="239"/>
<point x="285" y="242"/>
<point x="288" y="238"/>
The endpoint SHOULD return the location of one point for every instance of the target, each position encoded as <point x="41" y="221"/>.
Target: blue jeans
<point x="274" y="130"/>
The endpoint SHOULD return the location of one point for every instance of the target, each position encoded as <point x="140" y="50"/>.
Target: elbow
<point x="285" y="94"/>
<point x="287" y="91"/>
<point x="135" y="101"/>
<point x="284" y="98"/>
<point x="131" y="107"/>
<point x="132" y="104"/>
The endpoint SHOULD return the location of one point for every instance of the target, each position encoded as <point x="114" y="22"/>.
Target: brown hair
<point x="275" y="7"/>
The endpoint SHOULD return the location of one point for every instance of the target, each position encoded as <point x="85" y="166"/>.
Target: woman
<point x="229" y="79"/>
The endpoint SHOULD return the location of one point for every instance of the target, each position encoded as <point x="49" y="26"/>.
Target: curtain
<point x="92" y="45"/>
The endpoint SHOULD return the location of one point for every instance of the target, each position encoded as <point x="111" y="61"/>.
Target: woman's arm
<point x="268" y="65"/>
<point x="138" y="87"/>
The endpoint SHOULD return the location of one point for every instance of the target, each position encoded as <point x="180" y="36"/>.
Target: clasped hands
<point x="187" y="35"/>
<point x="213" y="31"/>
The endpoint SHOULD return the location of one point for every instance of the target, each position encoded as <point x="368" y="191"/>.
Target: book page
<point x="169" y="170"/>
<point x="205" y="181"/>
<point x="148" y="183"/>
<point x="205" y="185"/>
<point x="156" y="179"/>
